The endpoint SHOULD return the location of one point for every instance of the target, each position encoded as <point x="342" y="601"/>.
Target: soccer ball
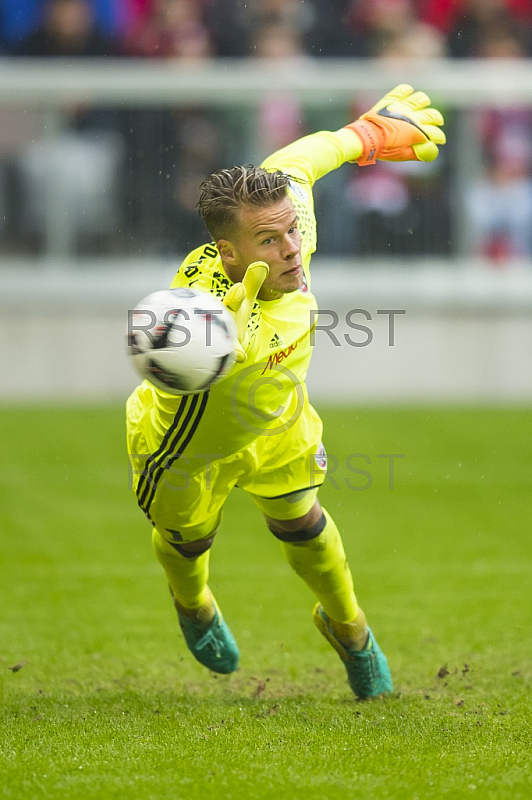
<point x="182" y="340"/>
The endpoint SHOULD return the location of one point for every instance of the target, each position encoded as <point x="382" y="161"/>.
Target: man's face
<point x="267" y="234"/>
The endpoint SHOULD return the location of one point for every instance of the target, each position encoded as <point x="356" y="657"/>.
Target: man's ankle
<point x="351" y="634"/>
<point x="201" y="615"/>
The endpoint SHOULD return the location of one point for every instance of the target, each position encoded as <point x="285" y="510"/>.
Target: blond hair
<point x="225" y="192"/>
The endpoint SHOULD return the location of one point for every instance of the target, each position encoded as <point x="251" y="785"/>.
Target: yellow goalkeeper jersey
<point x="265" y="394"/>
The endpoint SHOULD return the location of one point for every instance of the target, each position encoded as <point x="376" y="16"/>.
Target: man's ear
<point x="227" y="252"/>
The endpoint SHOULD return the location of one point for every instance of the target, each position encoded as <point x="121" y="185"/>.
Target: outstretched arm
<point x="400" y="127"/>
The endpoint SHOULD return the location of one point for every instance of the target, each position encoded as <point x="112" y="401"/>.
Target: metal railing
<point x="460" y="83"/>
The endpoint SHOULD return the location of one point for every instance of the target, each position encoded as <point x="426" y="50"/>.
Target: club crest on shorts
<point x="321" y="457"/>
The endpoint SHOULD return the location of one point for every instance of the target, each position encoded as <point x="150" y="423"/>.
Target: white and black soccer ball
<point x="182" y="340"/>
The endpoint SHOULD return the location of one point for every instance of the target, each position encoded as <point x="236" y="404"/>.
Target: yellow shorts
<point x="281" y="473"/>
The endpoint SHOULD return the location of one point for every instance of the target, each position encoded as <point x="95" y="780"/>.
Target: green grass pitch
<point x="100" y="698"/>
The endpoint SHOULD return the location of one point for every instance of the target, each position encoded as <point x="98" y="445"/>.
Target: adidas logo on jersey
<point x="276" y="341"/>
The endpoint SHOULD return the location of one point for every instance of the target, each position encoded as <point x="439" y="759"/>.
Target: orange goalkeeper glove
<point x="240" y="300"/>
<point x="400" y="127"/>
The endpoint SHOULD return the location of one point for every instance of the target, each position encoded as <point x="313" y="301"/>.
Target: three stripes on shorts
<point x="177" y="437"/>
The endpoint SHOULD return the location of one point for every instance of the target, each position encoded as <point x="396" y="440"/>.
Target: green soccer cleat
<point x="368" y="672"/>
<point x="212" y="644"/>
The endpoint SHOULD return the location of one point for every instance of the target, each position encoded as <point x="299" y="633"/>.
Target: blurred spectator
<point x="332" y="33"/>
<point x="227" y="23"/>
<point x="19" y="19"/>
<point x="169" y="151"/>
<point x="500" y="202"/>
<point x="364" y="28"/>
<point x="79" y="173"/>
<point x="396" y="207"/>
<point x="292" y="13"/>
<point x="278" y="40"/>
<point x="280" y="114"/>
<point x="236" y="26"/>
<point x="391" y="28"/>
<point x="171" y="29"/>
<point x="444" y="14"/>
<point x="200" y="153"/>
<point x="3" y="199"/>
<point x="398" y="210"/>
<point x="77" y="170"/>
<point x="134" y="10"/>
<point x="68" y="29"/>
<point x="468" y="24"/>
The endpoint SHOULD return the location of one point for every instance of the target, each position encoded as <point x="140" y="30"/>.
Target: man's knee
<point x="193" y="549"/>
<point x="302" y="529"/>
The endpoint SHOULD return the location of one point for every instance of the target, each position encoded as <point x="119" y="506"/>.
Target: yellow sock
<point x="322" y="564"/>
<point x="352" y="634"/>
<point x="187" y="579"/>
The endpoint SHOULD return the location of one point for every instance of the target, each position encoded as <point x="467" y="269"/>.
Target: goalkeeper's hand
<point x="400" y="127"/>
<point x="240" y="300"/>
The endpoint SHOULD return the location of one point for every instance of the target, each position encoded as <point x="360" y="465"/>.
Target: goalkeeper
<point x="256" y="429"/>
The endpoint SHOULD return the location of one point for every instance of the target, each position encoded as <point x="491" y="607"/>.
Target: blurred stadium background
<point x="113" y="111"/>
